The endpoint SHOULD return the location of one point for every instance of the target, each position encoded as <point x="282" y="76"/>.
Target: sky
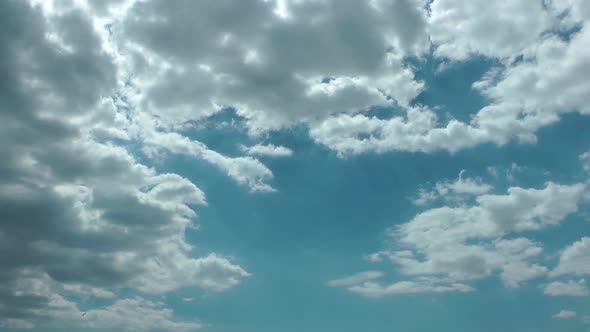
<point x="294" y="165"/>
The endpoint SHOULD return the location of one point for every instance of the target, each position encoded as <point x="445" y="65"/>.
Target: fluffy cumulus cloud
<point x="95" y="93"/>
<point x="81" y="216"/>
<point x="498" y="29"/>
<point x="569" y="288"/>
<point x="540" y="75"/>
<point x="442" y="249"/>
<point x="325" y="63"/>
<point x="45" y="307"/>
<point x="575" y="259"/>
<point x="275" y="68"/>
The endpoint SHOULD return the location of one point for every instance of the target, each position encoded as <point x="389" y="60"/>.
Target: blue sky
<point x="286" y="166"/>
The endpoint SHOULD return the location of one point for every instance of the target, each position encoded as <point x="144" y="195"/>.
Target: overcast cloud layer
<point x="97" y="95"/>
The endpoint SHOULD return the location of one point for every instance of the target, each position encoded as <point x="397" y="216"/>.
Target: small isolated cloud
<point x="266" y="150"/>
<point x="565" y="314"/>
<point x="356" y="278"/>
<point x="362" y="284"/>
<point x="509" y="173"/>
<point x="375" y="290"/>
<point x="455" y="190"/>
<point x="569" y="288"/>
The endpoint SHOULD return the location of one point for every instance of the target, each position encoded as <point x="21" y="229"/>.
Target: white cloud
<point x="244" y="170"/>
<point x="565" y="314"/>
<point x="195" y="67"/>
<point x="416" y="132"/>
<point x="497" y="29"/>
<point x="575" y="259"/>
<point x="456" y="190"/>
<point x="570" y="288"/>
<point x="371" y="289"/>
<point x="85" y="290"/>
<point x="524" y="95"/>
<point x="533" y="93"/>
<point x="356" y="278"/>
<point x="442" y="248"/>
<point x="267" y="150"/>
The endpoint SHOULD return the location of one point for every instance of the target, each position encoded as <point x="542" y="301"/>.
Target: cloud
<point x="82" y="217"/>
<point x="534" y="93"/>
<point x="55" y="310"/>
<point x="456" y="190"/>
<point x="574" y="259"/>
<point x="267" y="150"/>
<point x="183" y="68"/>
<point x="317" y="58"/>
<point x="371" y="289"/>
<point x="498" y="29"/>
<point x="443" y="248"/>
<point x="565" y="314"/>
<point x="244" y="170"/>
<point x="94" y="92"/>
<point x="523" y="96"/>
<point x="311" y="65"/>
<point x="510" y="173"/>
<point x="356" y="278"/>
<point x="444" y="236"/>
<point x="136" y="315"/>
<point x="570" y="288"/>
<point x="415" y="132"/>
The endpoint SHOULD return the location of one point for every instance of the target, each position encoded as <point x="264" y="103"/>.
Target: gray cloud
<point x="81" y="215"/>
<point x="190" y="59"/>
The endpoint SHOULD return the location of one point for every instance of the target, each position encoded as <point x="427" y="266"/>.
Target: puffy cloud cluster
<point x="81" y="217"/>
<point x="442" y="249"/>
<point x="496" y="29"/>
<point x="541" y="75"/>
<point x="87" y="86"/>
<point x="35" y="303"/>
<point x="574" y="259"/>
<point x="275" y="68"/>
<point x="570" y="288"/>
<point x="325" y="63"/>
